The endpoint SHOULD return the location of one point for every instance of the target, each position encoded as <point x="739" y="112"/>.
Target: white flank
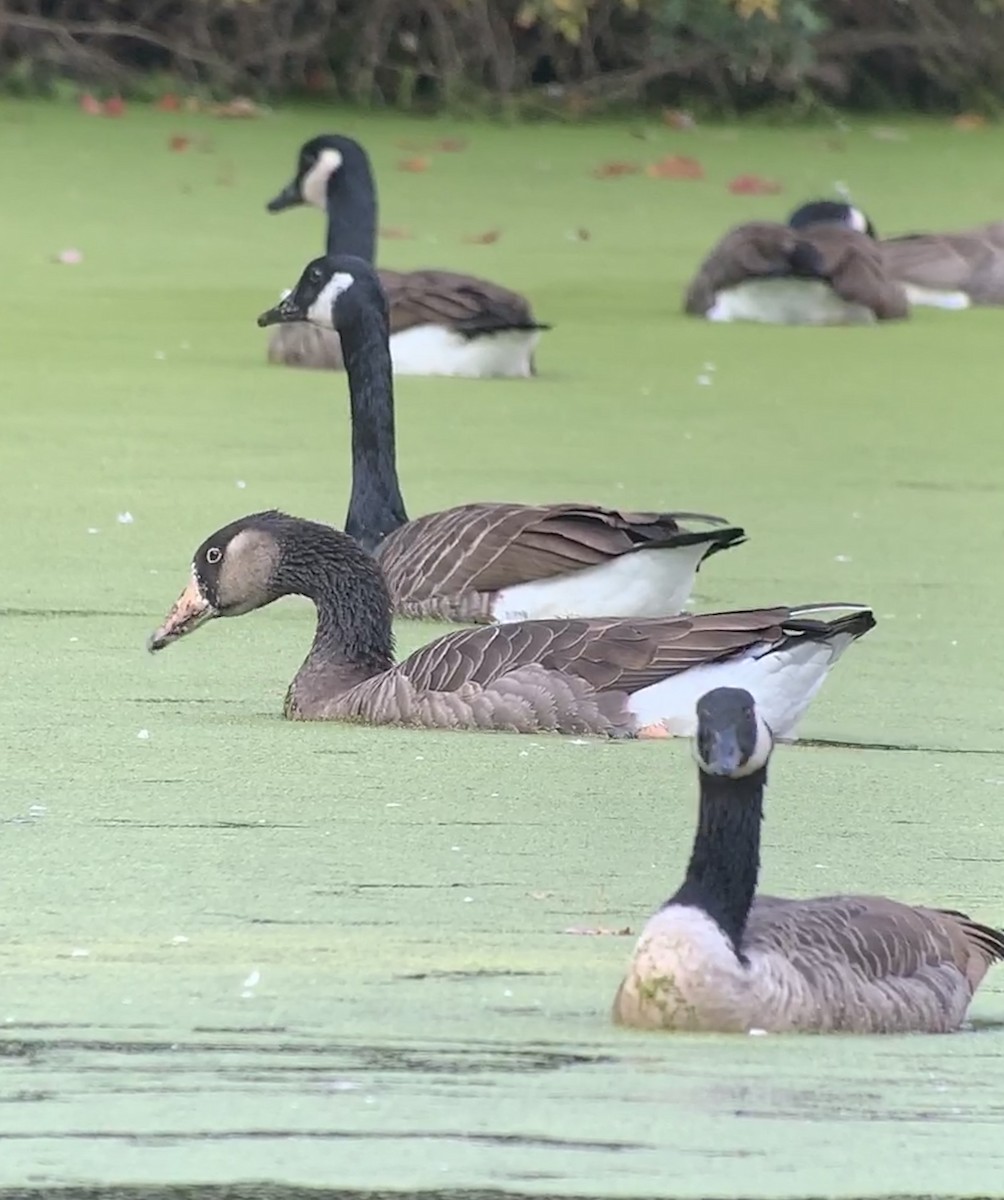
<point x="787" y="302"/>
<point x="782" y="682"/>
<point x="931" y="298"/>
<point x="643" y="583"/>
<point x="436" y="350"/>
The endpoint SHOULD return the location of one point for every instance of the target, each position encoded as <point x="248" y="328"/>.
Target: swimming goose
<point x="441" y="323"/>
<point x="823" y="267"/>
<point x="613" y="678"/>
<point x="967" y="266"/>
<point x="489" y="561"/>
<point x="716" y="959"/>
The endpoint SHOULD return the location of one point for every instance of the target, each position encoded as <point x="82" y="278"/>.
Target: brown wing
<point x="876" y="938"/>
<point x="464" y="303"/>
<point x="971" y="263"/>
<point x="756" y="250"/>
<point x="482" y="548"/>
<point x="854" y="266"/>
<point x="608" y="655"/>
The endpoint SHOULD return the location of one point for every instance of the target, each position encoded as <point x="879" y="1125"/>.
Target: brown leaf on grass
<point x="415" y="165"/>
<point x="675" y="166"/>
<point x="178" y="142"/>
<point x="754" y="185"/>
<point x="169" y="102"/>
<point x="678" y="118"/>
<point x="114" y="107"/>
<point x="612" y="170"/>
<point x="483" y="239"/>
<point x="451" y="145"/>
<point x="581" y="235"/>
<point x="393" y="234"/>
<point x="599" y="931"/>
<point x="968" y="122"/>
<point x="240" y="108"/>
<point x="89" y="105"/>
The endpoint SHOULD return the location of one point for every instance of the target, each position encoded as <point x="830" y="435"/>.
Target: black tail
<point x="857" y="622"/>
<point x="715" y="539"/>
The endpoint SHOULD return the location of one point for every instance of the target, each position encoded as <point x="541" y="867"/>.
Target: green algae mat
<point x="245" y="957"/>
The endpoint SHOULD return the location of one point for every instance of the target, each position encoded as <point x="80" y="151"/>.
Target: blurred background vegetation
<point x="559" y="57"/>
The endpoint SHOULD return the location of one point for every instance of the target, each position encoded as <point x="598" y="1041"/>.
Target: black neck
<point x="349" y="592"/>
<point x="352" y="212"/>
<point x="725" y="861"/>
<point x="376" y="507"/>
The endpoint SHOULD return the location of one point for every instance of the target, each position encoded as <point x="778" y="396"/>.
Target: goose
<point x="611" y="678"/>
<point x="823" y="267"/>
<point x="717" y="959"/>
<point x="967" y="265"/>
<point x="488" y="561"/>
<point x="441" y="323"/>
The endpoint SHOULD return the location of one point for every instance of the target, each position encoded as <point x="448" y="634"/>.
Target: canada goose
<point x="441" y="323"/>
<point x="966" y="266"/>
<point x="714" y="959"/>
<point x="822" y="268"/>
<point x="485" y="562"/>
<point x="614" y="678"/>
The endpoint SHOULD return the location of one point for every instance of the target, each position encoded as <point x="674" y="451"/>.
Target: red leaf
<point x="416" y="164"/>
<point x="675" y="166"/>
<point x="88" y="104"/>
<point x="612" y="170"/>
<point x="179" y="142"/>
<point x="169" y="102"/>
<point x="114" y="107"/>
<point x="484" y="239"/>
<point x="754" y="185"/>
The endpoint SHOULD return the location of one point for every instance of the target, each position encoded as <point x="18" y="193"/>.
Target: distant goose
<point x="967" y="265"/>
<point x="823" y="267"/>
<point x="613" y="678"/>
<point x="441" y="323"/>
<point x="486" y="561"/>
<point x="715" y="959"/>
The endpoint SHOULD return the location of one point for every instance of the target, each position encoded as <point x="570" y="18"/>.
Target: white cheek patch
<point x="858" y="220"/>
<point x="320" y="312"/>
<point x="314" y="185"/>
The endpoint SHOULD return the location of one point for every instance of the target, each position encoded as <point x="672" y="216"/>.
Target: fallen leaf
<point x="675" y="166"/>
<point x="69" y="258"/>
<point x="599" y="931"/>
<point x="836" y="144"/>
<point x="541" y="895"/>
<point x="451" y="145"/>
<point x="483" y="239"/>
<point x="582" y="235"/>
<point x="415" y="165"/>
<point x="612" y="170"/>
<point x="754" y="185"/>
<point x="179" y="142"/>
<point x="240" y="108"/>
<point x="89" y="105"/>
<point x="967" y="122"/>
<point x="114" y="107"/>
<point x="678" y="118"/>
<point x="169" y="102"/>
<point x="394" y="234"/>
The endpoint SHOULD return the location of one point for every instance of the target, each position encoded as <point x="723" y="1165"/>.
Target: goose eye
<point x="213" y="555"/>
<point x="316" y="275"/>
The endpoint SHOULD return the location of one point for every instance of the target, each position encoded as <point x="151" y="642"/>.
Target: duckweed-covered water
<point x="238" y="951"/>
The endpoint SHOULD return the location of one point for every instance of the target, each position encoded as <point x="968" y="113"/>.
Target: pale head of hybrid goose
<point x="333" y="173"/>
<point x="343" y="293"/>
<point x="832" y="212"/>
<point x="260" y="558"/>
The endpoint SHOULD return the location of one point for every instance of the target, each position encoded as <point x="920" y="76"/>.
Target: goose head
<point x="832" y="212"/>
<point x="732" y="738"/>
<point x="330" y="292"/>
<point x="320" y="166"/>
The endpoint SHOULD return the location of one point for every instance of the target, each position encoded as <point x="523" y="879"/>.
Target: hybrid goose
<point x="968" y="265"/>
<point x="823" y="267"/>
<point x="441" y="323"/>
<point x="717" y="958"/>
<point x="490" y="561"/>
<point x="613" y="678"/>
